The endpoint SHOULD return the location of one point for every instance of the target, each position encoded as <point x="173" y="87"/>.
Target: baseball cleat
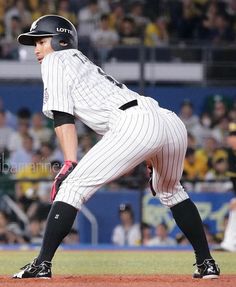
<point x="31" y="270"/>
<point x="207" y="270"/>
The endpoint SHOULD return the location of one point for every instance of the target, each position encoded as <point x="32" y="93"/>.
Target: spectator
<point x="232" y="114"/>
<point x="18" y="136"/>
<point x="24" y="114"/>
<point x="231" y="12"/>
<point x="104" y="38"/>
<point x="128" y="32"/>
<point x="10" y="233"/>
<point x="33" y="5"/>
<point x="11" y="120"/>
<point x="208" y="22"/>
<point x="127" y="233"/>
<point x="22" y="130"/>
<point x="218" y="173"/>
<point x="217" y="106"/>
<point x="137" y="14"/>
<point x="116" y="16"/>
<point x="229" y="241"/>
<point x="202" y="130"/>
<point x="231" y="7"/>
<point x="35" y="170"/>
<point x="146" y="233"/>
<point x="5" y="132"/>
<point x="219" y="111"/>
<point x="20" y="11"/>
<point x="207" y="151"/>
<point x="2" y="13"/>
<point x="181" y="239"/>
<point x="79" y="5"/>
<point x="156" y="33"/>
<point x="38" y="131"/>
<point x="64" y="10"/>
<point x="188" y="21"/>
<point x="34" y="228"/>
<point x="49" y="153"/>
<point x="220" y="131"/>
<point x="3" y="227"/>
<point x="104" y="6"/>
<point x="44" y="8"/>
<point x="23" y="155"/>
<point x="162" y="237"/>
<point x="7" y="186"/>
<point x="231" y="143"/>
<point x="9" y="42"/>
<point x="192" y="142"/>
<point x="222" y="33"/>
<point x="88" y="18"/>
<point x="187" y="115"/>
<point x="194" y="167"/>
<point x="15" y="234"/>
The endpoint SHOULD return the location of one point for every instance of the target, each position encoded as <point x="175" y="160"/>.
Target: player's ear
<point x="63" y="43"/>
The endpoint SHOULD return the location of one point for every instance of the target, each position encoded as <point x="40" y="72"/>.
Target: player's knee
<point x="170" y="199"/>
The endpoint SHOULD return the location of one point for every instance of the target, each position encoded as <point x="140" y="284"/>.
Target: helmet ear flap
<point x="60" y="42"/>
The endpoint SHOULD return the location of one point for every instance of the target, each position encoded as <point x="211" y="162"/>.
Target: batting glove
<point x="66" y="169"/>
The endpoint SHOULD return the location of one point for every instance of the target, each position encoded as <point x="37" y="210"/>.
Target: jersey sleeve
<point x="57" y="86"/>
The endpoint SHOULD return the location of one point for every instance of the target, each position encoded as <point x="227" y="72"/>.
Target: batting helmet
<point x="63" y="32"/>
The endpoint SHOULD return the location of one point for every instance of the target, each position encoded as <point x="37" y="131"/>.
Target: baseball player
<point x="134" y="128"/>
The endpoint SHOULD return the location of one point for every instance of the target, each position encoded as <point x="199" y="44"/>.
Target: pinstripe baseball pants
<point x="142" y="132"/>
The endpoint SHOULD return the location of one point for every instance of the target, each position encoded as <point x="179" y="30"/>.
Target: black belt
<point x="129" y="105"/>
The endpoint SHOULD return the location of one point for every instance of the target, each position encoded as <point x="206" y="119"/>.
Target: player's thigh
<point x="168" y="164"/>
<point x="168" y="167"/>
<point x="110" y="158"/>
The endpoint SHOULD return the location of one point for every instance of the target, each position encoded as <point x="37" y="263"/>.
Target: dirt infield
<point x="115" y="281"/>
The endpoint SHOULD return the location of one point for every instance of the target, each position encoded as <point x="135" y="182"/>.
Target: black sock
<point x="59" y="222"/>
<point x="189" y="221"/>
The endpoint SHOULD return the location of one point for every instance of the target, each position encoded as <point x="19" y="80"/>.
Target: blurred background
<point x="180" y="52"/>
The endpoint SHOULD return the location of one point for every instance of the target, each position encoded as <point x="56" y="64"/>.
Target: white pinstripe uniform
<point x="74" y="85"/>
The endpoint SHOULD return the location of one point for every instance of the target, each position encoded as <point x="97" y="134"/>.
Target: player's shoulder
<point x="59" y="56"/>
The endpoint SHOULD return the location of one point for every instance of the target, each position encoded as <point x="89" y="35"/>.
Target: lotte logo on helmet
<point x="33" y="26"/>
<point x="64" y="30"/>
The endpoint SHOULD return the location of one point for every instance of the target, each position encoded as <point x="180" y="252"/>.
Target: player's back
<point x="82" y="88"/>
<point x="91" y="82"/>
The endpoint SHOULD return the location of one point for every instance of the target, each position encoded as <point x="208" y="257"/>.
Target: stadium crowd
<point x="103" y="24"/>
<point x="29" y="154"/>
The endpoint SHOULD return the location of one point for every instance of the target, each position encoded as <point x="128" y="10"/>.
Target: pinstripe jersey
<point x="75" y="85"/>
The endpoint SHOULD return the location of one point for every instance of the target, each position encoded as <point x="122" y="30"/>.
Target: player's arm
<point x="65" y="129"/>
<point x="64" y="124"/>
<point x="67" y="137"/>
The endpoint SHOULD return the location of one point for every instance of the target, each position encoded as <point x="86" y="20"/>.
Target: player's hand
<point x="150" y="172"/>
<point x="66" y="169"/>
